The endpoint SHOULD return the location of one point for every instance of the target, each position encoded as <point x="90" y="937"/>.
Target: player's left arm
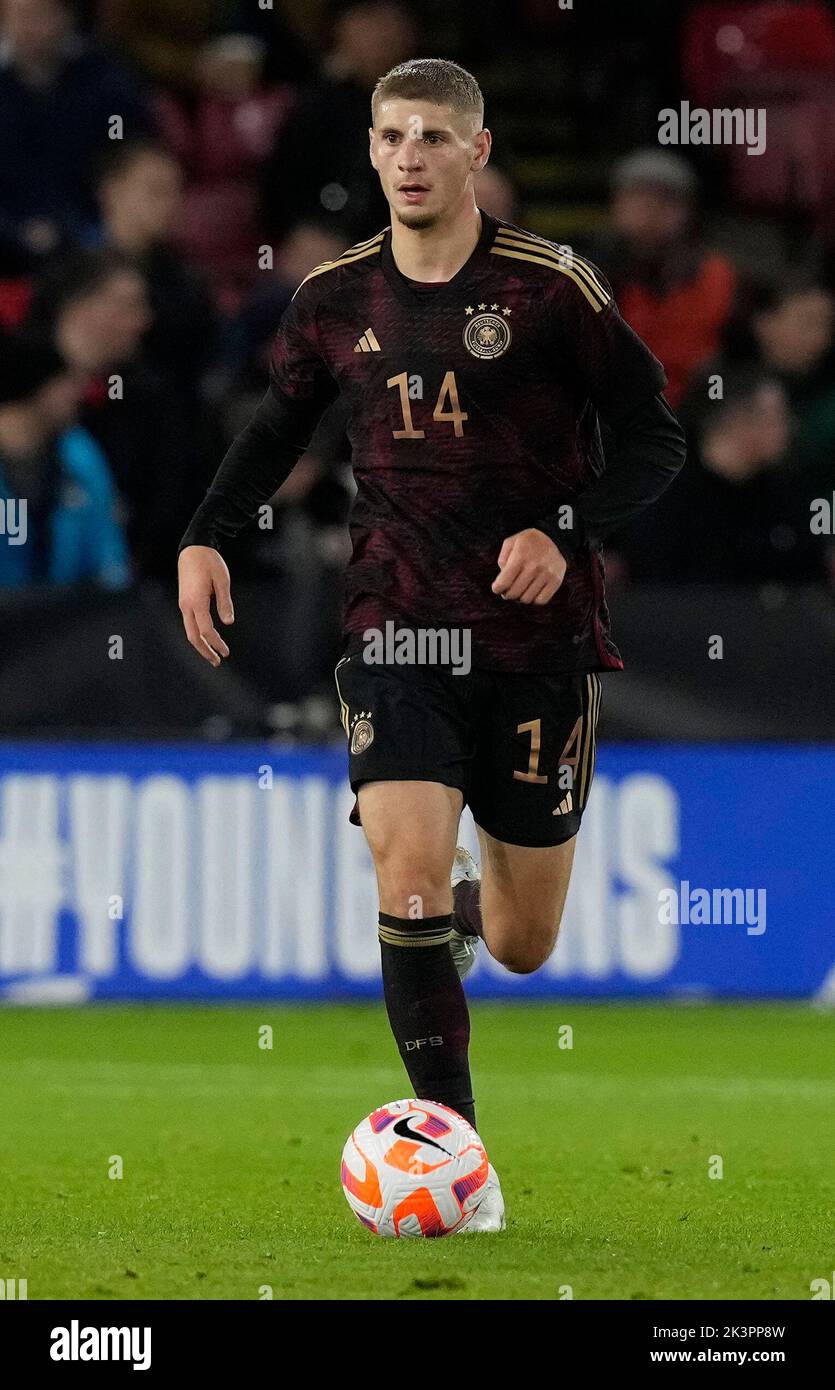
<point x="624" y="382"/>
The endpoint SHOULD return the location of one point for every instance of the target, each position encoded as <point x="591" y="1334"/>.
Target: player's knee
<point x="415" y="890"/>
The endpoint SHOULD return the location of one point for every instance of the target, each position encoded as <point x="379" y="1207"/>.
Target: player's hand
<point x="531" y="568"/>
<point x="203" y="573"/>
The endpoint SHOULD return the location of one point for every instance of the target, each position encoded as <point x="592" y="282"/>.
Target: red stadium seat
<point x="220" y="229"/>
<point x="223" y="138"/>
<point x="795" y="170"/>
<point x="233" y="137"/>
<point x="174" y="127"/>
<point x="220" y="149"/>
<point x="15" y="297"/>
<point x="737" y="49"/>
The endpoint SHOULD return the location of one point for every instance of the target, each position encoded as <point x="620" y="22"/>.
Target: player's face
<point x="426" y="156"/>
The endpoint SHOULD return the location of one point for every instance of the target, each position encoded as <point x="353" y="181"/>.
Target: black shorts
<point x="519" y="746"/>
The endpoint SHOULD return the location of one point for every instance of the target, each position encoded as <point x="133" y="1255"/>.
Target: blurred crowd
<point x="169" y="172"/>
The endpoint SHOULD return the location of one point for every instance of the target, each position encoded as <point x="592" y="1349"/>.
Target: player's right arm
<point x="257" y="463"/>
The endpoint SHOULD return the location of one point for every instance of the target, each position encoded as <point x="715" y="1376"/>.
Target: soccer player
<point x="474" y="358"/>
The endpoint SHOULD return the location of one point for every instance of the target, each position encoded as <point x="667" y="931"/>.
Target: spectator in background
<point x="94" y="306"/>
<point x="318" y="480"/>
<point x="140" y="193"/>
<point x="734" y="514"/>
<point x="58" y="95"/>
<point x="298" y="562"/>
<point x="248" y="338"/>
<point x="759" y="453"/>
<point x="318" y="167"/>
<point x="675" y="291"/>
<point x="221" y="137"/>
<point x="784" y="327"/>
<point x="792" y="325"/>
<point x="318" y="485"/>
<point x="165" y="37"/>
<point x="68" y="532"/>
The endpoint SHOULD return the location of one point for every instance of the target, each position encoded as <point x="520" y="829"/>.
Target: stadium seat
<point x="220" y="230"/>
<point x="795" y="170"/>
<point x="220" y="149"/>
<point x="174" y="127"/>
<point x="233" y="137"/>
<point x="15" y="296"/>
<point x="737" y="49"/>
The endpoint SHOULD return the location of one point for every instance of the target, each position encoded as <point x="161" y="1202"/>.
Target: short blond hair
<point x="432" y="79"/>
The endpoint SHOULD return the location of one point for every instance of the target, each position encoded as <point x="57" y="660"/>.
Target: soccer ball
<point x="414" y="1168"/>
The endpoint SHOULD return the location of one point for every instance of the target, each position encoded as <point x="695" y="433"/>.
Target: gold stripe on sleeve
<point x="590" y="295"/>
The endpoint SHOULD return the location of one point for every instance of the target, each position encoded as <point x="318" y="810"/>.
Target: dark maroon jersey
<point x="473" y="415"/>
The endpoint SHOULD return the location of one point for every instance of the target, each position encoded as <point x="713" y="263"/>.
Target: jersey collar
<point x="413" y="299"/>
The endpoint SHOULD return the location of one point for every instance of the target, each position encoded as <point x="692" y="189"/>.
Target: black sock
<point x="427" y="1009"/>
<point x="466" y="906"/>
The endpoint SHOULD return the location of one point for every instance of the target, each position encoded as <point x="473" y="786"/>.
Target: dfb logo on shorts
<point x="362" y="732"/>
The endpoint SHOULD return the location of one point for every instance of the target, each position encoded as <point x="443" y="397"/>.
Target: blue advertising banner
<point x="202" y="872"/>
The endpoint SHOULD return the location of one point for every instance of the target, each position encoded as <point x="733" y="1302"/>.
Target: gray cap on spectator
<point x="657" y="167"/>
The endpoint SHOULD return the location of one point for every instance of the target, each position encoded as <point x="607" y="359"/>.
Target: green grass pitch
<point x="231" y="1153"/>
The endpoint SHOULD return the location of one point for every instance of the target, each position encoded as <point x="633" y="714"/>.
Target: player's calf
<point x="410" y="827"/>
<point x="427" y="1009"/>
<point x="522" y="898"/>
